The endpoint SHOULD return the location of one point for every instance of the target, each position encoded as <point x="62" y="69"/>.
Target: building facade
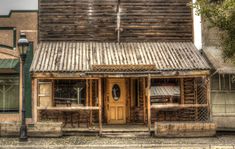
<point x="119" y="62"/>
<point x="10" y="97"/>
<point x="222" y="76"/>
<point x="113" y="64"/>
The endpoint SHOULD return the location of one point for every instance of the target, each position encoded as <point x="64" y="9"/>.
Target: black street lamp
<point x="23" y="45"/>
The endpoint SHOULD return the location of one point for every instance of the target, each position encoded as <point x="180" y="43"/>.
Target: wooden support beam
<point x="35" y="99"/>
<point x="90" y="98"/>
<point x="230" y="85"/>
<point x="181" y="90"/>
<point x="149" y="102"/>
<point x="196" y="97"/>
<point x="219" y="82"/>
<point x="144" y="99"/>
<point x="128" y="101"/>
<point x="87" y="92"/>
<point x="208" y="89"/>
<point x="132" y="99"/>
<point x="100" y="105"/>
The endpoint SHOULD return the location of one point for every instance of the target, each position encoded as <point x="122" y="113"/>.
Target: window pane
<point x="218" y="98"/>
<point x="218" y="108"/>
<point x="230" y="98"/>
<point x="230" y="108"/>
<point x="232" y="80"/>
<point x="72" y="91"/>
<point x="165" y="91"/>
<point x="215" y="82"/>
<point x="224" y="81"/>
<point x="9" y="94"/>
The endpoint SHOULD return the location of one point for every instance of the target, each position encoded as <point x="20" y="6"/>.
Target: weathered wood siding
<point x="92" y="20"/>
<point x="80" y="20"/>
<point x="164" y="20"/>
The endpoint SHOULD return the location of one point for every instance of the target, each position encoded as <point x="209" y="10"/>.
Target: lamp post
<point x="23" y="45"/>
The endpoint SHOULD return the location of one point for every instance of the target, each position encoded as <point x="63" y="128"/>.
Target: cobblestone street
<point x="218" y="142"/>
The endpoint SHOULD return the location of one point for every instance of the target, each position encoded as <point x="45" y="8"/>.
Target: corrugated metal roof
<point x="86" y="56"/>
<point x="215" y="56"/>
<point x="8" y="63"/>
<point x="165" y="90"/>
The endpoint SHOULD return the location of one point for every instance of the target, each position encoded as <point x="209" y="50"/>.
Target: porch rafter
<point x="97" y="75"/>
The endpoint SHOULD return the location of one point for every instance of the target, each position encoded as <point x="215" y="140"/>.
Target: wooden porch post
<point x="87" y="92"/>
<point x="90" y="98"/>
<point x="181" y="90"/>
<point x="100" y="106"/>
<point x="149" y="102"/>
<point x="144" y="99"/>
<point x="35" y="99"/>
<point x="208" y="87"/>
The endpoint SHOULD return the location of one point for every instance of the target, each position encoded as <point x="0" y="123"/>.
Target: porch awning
<point x="116" y="57"/>
<point x="214" y="55"/>
<point x="9" y="65"/>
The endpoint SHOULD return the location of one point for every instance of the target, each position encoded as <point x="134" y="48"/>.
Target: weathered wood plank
<point x="80" y="20"/>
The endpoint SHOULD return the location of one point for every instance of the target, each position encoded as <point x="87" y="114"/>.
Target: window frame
<point x="16" y="77"/>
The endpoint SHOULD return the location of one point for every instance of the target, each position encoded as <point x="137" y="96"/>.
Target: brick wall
<point x="10" y="28"/>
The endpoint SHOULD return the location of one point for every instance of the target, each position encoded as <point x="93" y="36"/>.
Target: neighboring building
<point x="10" y="83"/>
<point x="223" y="80"/>
<point x="120" y="62"/>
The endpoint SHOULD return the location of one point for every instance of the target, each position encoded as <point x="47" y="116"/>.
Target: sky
<point x="7" y="5"/>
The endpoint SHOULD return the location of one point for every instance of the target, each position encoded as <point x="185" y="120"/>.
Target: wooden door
<point x="116" y="101"/>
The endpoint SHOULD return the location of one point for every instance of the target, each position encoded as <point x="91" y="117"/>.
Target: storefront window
<point x="232" y="80"/>
<point x="215" y="82"/>
<point x="165" y="91"/>
<point x="223" y="82"/>
<point x="70" y="91"/>
<point x="9" y="94"/>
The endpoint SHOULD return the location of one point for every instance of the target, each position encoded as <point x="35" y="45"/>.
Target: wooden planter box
<point x="184" y="129"/>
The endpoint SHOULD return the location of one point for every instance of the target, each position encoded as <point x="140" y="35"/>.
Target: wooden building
<point x="10" y="68"/>
<point x="119" y="62"/>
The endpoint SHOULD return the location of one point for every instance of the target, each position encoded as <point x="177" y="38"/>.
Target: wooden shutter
<point x="45" y="94"/>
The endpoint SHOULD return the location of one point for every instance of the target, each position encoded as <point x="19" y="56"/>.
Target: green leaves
<point x="220" y="14"/>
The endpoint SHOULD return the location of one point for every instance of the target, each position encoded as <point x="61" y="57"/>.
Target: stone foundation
<point x="40" y="129"/>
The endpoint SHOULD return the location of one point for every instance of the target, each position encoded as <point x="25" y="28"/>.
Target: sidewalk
<point x="219" y="142"/>
<point x="132" y="146"/>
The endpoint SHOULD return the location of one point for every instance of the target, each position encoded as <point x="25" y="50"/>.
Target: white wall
<point x="7" y="5"/>
<point x="197" y="29"/>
